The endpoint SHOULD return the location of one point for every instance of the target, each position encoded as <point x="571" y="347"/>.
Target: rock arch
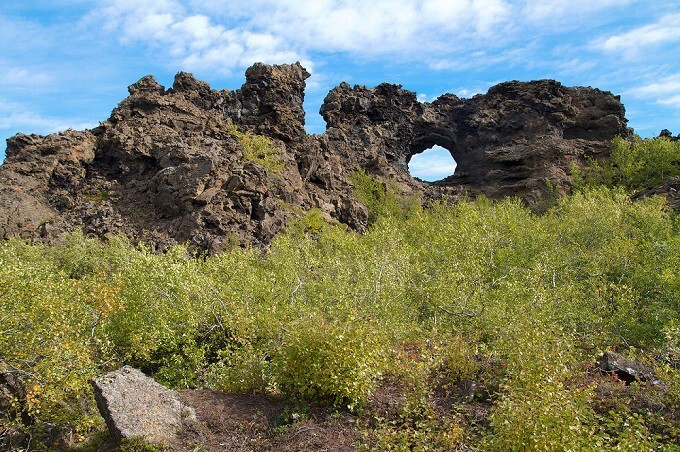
<point x="519" y="139"/>
<point x="421" y="148"/>
<point x="172" y="170"/>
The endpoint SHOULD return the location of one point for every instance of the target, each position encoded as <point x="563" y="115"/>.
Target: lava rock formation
<point x="167" y="167"/>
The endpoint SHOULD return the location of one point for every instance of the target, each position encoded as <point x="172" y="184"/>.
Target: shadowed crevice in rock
<point x="167" y="167"/>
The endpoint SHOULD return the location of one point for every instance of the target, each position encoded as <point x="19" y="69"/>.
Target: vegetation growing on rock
<point x="634" y="164"/>
<point x="258" y="149"/>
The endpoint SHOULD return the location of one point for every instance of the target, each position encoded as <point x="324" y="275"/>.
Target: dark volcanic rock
<point x="668" y="188"/>
<point x="134" y="405"/>
<point x="41" y="178"/>
<point x="665" y="133"/>
<point x="167" y="167"/>
<point x="518" y="139"/>
<point x="626" y="369"/>
<point x="271" y="100"/>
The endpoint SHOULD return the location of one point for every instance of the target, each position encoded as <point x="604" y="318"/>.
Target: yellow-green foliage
<point x="537" y="411"/>
<point x="636" y="164"/>
<point x="258" y="149"/>
<point x="329" y="360"/>
<point x="382" y="199"/>
<point x="46" y="324"/>
<point x="138" y="444"/>
<point x="325" y="313"/>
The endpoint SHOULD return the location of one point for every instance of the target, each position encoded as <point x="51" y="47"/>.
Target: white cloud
<point x="23" y="78"/>
<point x="147" y="19"/>
<point x="223" y="35"/>
<point x="195" y="41"/>
<point x="467" y="92"/>
<point x="666" y="91"/>
<point x="373" y="27"/>
<point x="15" y="116"/>
<point x="666" y="30"/>
<point x="567" y="11"/>
<point x="478" y="59"/>
<point x="433" y="164"/>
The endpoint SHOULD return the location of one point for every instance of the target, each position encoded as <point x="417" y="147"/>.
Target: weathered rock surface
<point x="627" y="370"/>
<point x="665" y="133"/>
<point x="12" y="397"/>
<point x="134" y="405"/>
<point x="668" y="188"/>
<point x="166" y="167"/>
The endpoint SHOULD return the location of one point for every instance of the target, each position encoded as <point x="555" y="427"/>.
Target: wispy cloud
<point x="665" y="91"/>
<point x="207" y="36"/>
<point x="433" y="164"/>
<point x="193" y="40"/>
<point x="635" y="41"/>
<point x="21" y="77"/>
<point x="16" y="116"/>
<point x="224" y="36"/>
<point x="566" y="12"/>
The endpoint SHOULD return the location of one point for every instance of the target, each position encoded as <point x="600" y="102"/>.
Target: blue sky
<point x="68" y="63"/>
<point x="432" y="164"/>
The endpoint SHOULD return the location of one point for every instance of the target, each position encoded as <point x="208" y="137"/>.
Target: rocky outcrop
<point x="669" y="188"/>
<point x="518" y="139"/>
<point x="665" y="133"/>
<point x="41" y="177"/>
<point x="177" y="165"/>
<point x="627" y="370"/>
<point x="134" y="405"/>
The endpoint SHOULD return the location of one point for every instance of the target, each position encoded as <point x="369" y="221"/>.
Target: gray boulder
<point x="134" y="405"/>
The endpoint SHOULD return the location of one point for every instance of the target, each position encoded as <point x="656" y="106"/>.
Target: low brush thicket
<point x="634" y="165"/>
<point x="484" y="302"/>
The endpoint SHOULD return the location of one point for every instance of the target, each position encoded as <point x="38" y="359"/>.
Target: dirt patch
<point x="252" y="423"/>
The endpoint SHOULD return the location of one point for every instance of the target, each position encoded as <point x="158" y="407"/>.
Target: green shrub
<point x="328" y="360"/>
<point x="312" y="222"/>
<point x="635" y="165"/>
<point x="460" y="363"/>
<point x="325" y="313"/>
<point x="79" y="256"/>
<point x="383" y="199"/>
<point x="537" y="411"/>
<point x="156" y="327"/>
<point x="258" y="149"/>
<point x="243" y="369"/>
<point x="49" y="326"/>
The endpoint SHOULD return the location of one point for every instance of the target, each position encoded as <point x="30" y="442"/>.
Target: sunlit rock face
<point x="518" y="139"/>
<point x="167" y="167"/>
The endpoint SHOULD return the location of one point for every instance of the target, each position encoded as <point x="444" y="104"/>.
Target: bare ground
<point x="253" y="423"/>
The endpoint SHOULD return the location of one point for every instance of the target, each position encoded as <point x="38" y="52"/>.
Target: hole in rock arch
<point x="433" y="164"/>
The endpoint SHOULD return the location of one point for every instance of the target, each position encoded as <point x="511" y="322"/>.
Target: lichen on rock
<point x="135" y="406"/>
